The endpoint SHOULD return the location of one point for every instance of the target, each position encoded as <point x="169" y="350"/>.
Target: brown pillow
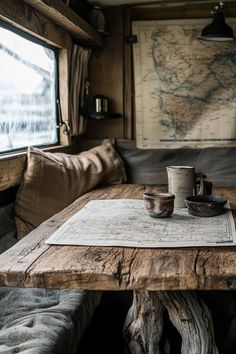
<point x="52" y="181"/>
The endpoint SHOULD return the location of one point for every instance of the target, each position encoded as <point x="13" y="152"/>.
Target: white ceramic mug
<point x="181" y="181"/>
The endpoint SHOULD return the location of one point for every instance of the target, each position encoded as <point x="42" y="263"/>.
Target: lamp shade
<point x="218" y="30"/>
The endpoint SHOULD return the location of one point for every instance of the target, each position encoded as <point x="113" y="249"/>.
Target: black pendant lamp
<point x="218" y="30"/>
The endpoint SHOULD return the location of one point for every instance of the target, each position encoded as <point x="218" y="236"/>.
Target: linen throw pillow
<point x="52" y="181"/>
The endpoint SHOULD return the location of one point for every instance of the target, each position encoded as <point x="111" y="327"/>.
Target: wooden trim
<point x="11" y="171"/>
<point x="192" y="11"/>
<point x="61" y="14"/>
<point x="174" y="3"/>
<point x="24" y="17"/>
<point x="64" y="55"/>
<point x="128" y="78"/>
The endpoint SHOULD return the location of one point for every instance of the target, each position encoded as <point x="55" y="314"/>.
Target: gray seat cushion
<point x="44" y="321"/>
<point x="148" y="166"/>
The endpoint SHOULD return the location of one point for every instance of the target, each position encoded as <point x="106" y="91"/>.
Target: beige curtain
<point x="78" y="88"/>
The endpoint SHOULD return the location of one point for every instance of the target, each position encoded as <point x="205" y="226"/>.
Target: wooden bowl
<point x="206" y="205"/>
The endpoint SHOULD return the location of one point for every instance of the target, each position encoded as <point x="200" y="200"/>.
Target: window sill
<point x="12" y="165"/>
<point x="18" y="154"/>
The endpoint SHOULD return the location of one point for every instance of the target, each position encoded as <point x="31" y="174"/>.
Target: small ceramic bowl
<point x="206" y="205"/>
<point x="158" y="205"/>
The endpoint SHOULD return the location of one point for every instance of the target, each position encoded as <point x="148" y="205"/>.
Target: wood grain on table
<point x="32" y="263"/>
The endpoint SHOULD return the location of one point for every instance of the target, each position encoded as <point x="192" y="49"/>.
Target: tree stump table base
<point x="189" y="314"/>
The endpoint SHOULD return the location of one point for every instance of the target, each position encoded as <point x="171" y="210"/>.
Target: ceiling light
<point x="218" y="30"/>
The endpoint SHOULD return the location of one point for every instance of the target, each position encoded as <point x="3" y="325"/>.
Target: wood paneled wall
<point x="106" y="78"/>
<point x="111" y="72"/>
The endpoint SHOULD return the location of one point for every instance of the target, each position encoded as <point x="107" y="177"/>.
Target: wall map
<point x="185" y="89"/>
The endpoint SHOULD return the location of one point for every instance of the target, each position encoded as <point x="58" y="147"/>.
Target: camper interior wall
<point x="107" y="76"/>
<point x="111" y="71"/>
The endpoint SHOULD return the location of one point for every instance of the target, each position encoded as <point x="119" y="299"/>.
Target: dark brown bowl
<point x="206" y="205"/>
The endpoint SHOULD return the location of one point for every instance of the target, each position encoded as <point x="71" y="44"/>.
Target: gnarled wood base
<point x="188" y="313"/>
<point x="144" y="322"/>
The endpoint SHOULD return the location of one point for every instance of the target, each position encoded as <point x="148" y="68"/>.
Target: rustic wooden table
<point x="160" y="278"/>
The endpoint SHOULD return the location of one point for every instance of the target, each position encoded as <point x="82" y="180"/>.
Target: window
<point x="28" y="91"/>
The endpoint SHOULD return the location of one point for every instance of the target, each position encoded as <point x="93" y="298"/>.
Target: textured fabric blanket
<point x="44" y="321"/>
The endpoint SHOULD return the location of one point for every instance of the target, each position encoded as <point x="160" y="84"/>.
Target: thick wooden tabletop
<point x="32" y="263"/>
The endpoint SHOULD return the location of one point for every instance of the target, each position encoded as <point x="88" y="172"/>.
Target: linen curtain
<point x="78" y="88"/>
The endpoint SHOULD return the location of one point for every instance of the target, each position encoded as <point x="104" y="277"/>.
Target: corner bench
<point x="40" y="321"/>
<point x="50" y="321"/>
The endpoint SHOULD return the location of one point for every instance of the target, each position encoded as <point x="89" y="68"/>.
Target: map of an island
<point x="184" y="88"/>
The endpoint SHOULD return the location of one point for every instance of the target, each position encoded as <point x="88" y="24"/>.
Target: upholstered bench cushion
<point x="44" y="321"/>
<point x="148" y="166"/>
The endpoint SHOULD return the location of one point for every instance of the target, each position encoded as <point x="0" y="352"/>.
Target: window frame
<point x="30" y="20"/>
<point x="23" y="16"/>
<point x="33" y="39"/>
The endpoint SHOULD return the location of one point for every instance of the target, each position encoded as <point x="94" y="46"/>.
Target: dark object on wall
<point x="131" y="39"/>
<point x="81" y="7"/>
<point x="218" y="30"/>
<point x="101" y="109"/>
<point x="101" y="104"/>
<point x="97" y="20"/>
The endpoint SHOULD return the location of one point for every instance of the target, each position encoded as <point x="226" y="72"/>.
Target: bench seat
<point x="44" y="321"/>
<point x="50" y="321"/>
<point x="40" y="321"/>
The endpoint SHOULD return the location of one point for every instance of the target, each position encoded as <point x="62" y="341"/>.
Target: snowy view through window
<point x="27" y="93"/>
